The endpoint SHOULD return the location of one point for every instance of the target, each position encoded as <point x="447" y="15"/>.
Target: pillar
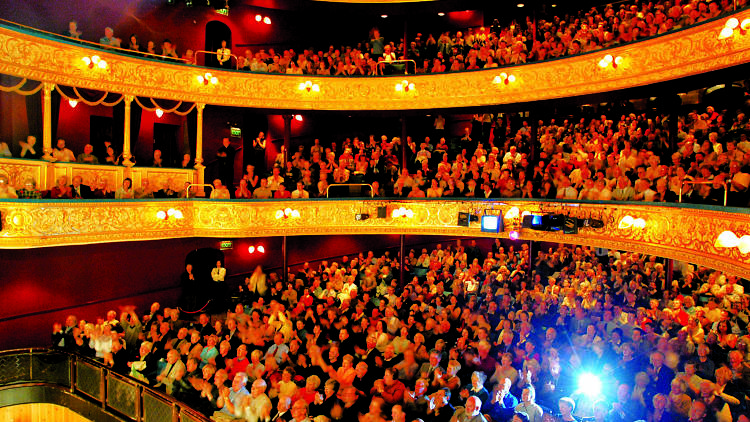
<point x="403" y="143"/>
<point x="199" y="144"/>
<point x="126" y="155"/>
<point x="47" y="120"/>
<point x="287" y="136"/>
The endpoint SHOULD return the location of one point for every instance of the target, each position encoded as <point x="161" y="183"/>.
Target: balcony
<point x="678" y="231"/>
<point x="692" y="51"/>
<point x="82" y="386"/>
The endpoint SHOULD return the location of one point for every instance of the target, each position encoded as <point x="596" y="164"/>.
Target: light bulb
<point x="178" y="214"/>
<point x="170" y="212"/>
<point x="258" y="18"/>
<point x="725" y="33"/>
<point x="95" y="59"/>
<point x="639" y="223"/>
<point x="745" y="25"/>
<point x="279" y="214"/>
<point x="618" y="60"/>
<point x="295" y="214"/>
<point x="732" y="23"/>
<point x="626" y="222"/>
<point x="267" y="20"/>
<point x="159" y="112"/>
<point x="251" y="249"/>
<point x="744" y="244"/>
<point x="399" y="87"/>
<point x="512" y="78"/>
<point x="161" y="215"/>
<point x="261" y="249"/>
<point x="316" y="88"/>
<point x="73" y="103"/>
<point x="727" y="239"/>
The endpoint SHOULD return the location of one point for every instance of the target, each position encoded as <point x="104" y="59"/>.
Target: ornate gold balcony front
<point x="683" y="233"/>
<point x="675" y="55"/>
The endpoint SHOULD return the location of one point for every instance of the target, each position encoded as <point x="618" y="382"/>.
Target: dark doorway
<point x="196" y="293"/>
<point x="165" y="140"/>
<point x="100" y="131"/>
<point x="216" y="32"/>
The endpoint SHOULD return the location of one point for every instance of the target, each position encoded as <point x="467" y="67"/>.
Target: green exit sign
<point x="235" y="132"/>
<point x="226" y="244"/>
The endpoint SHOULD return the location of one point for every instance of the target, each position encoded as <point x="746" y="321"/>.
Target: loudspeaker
<point x="464" y="219"/>
<point x="382" y="212"/>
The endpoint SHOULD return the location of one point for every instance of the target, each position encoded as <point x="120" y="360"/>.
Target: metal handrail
<point x="406" y="68"/>
<point x="236" y="61"/>
<point x="372" y="192"/>
<point x="187" y="194"/>
<point x="74" y="360"/>
<point x="697" y="182"/>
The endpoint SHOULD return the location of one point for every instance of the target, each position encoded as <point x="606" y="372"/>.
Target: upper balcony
<point x="688" y="52"/>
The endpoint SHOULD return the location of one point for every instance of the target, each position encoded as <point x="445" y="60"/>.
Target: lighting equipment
<point x="361" y="217"/>
<point x="465" y="219"/>
<point x="492" y="224"/>
<point x="570" y="226"/>
<point x="590" y="385"/>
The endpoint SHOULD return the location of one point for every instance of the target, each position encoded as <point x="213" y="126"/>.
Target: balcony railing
<point x="123" y="396"/>
<point x="690" y="51"/>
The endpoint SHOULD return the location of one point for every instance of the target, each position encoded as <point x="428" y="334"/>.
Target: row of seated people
<point x="475" y="48"/>
<point x="482" y="335"/>
<point x="102" y="190"/>
<point x="61" y="154"/>
<point x="630" y="159"/>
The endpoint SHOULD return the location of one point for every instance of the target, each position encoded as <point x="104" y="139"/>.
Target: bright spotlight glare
<point x="589" y="384"/>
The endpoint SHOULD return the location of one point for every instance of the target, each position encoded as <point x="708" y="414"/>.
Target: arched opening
<point x="216" y="32"/>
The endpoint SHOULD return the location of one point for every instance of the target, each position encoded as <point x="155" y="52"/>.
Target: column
<point x="403" y="143"/>
<point x="47" y="120"/>
<point x="199" y="144"/>
<point x="401" y="257"/>
<point x="287" y="136"/>
<point x="126" y="155"/>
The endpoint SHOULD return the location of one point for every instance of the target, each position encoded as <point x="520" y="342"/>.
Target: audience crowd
<point x="474" y="334"/>
<point x="702" y="157"/>
<point x="546" y="37"/>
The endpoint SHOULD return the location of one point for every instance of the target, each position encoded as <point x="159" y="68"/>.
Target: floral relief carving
<point x="681" y="233"/>
<point x="674" y="55"/>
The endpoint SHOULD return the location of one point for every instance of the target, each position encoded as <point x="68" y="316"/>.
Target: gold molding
<point x="671" y="56"/>
<point x="686" y="234"/>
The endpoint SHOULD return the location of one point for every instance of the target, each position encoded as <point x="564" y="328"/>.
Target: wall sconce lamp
<point x="405" y="86"/>
<point x="73" y="103"/>
<point x="259" y="249"/>
<point x="504" y="78"/>
<point x="259" y="19"/>
<point x="514" y="212"/>
<point x="173" y="213"/>
<point x="609" y="60"/>
<point x="629" y="221"/>
<point x="402" y="212"/>
<point x="286" y="213"/>
<point x="94" y="62"/>
<point x="728" y="239"/>
<point x="207" y="78"/>
<point x="309" y="86"/>
<point x="731" y="25"/>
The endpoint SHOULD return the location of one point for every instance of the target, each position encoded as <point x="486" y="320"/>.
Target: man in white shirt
<point x="223" y="55"/>
<point x="300" y="192"/>
<point x="219" y="272"/>
<point x="62" y="154"/>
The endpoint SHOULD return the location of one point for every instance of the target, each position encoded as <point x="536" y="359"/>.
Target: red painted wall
<point x="38" y="284"/>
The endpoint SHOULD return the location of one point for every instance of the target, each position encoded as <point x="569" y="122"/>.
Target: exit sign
<point x="235" y="132"/>
<point x="226" y="244"/>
